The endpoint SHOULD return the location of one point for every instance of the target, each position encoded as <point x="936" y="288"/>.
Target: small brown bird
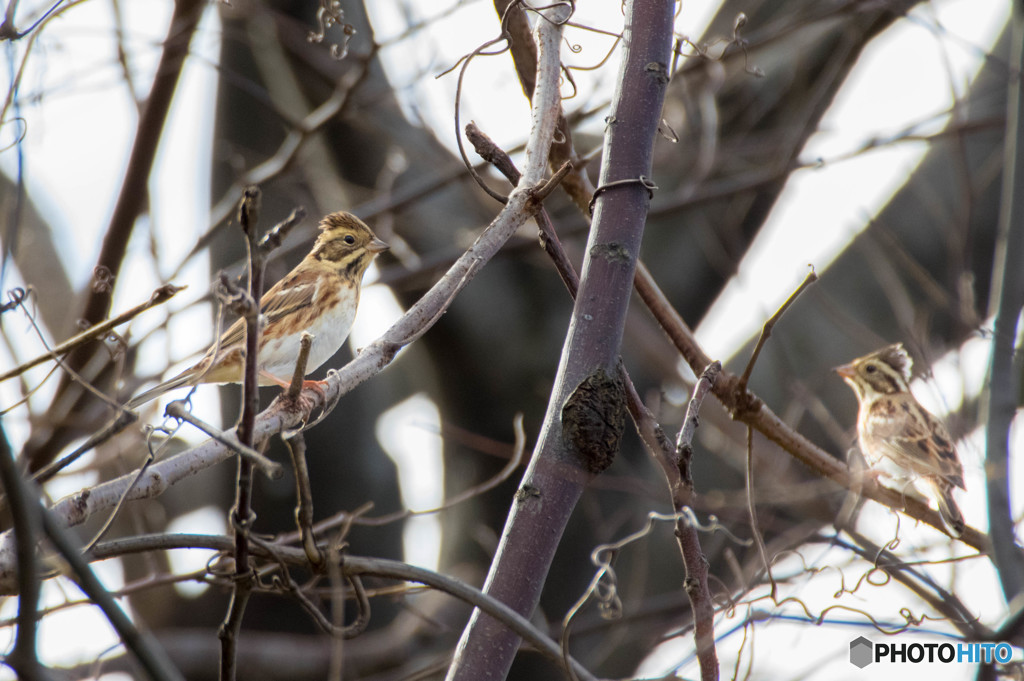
<point x="900" y="440"/>
<point x="319" y="296"/>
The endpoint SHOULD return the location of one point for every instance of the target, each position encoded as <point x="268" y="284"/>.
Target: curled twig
<point x="329" y="14"/>
<point x="503" y="36"/>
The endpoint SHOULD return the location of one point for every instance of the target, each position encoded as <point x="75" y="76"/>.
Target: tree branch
<point x="354" y="566"/>
<point x="23" y="500"/>
<point x="674" y="465"/>
<point x="586" y="410"/>
<point x="1007" y="299"/>
<point x="241" y="514"/>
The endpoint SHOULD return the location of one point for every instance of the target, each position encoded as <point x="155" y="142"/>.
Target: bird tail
<point x="948" y="509"/>
<point x="182" y="379"/>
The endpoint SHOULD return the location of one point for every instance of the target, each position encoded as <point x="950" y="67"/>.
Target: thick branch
<point x="674" y="464"/>
<point x="586" y="409"/>
<point x="1006" y="303"/>
<point x="23" y="500"/>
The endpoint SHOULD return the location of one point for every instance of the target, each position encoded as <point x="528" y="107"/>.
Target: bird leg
<point x="315" y="386"/>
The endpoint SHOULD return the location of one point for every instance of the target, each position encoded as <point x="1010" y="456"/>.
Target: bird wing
<point x="296" y="291"/>
<point x="925" y="447"/>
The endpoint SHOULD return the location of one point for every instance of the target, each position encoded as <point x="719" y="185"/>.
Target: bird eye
<point x="871" y="368"/>
<point x="349" y="239"/>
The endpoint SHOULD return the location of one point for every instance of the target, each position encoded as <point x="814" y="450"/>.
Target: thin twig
<point x="499" y="158"/>
<point x="696" y="581"/>
<point x="502" y="36"/>
<point x="177" y="410"/>
<point x="63" y="362"/>
<point x="492" y="153"/>
<point x="160" y="296"/>
<point x="357" y="566"/>
<point x="296" y="444"/>
<point x="752" y="511"/>
<point x="921" y="584"/>
<point x="684" y="441"/>
<point x="242" y="515"/>
<point x="514" y="461"/>
<point x="275" y="237"/>
<point x="351" y="630"/>
<point x="123" y="419"/>
<point x="108" y="523"/>
<point x="766" y="330"/>
<point x="542" y="191"/>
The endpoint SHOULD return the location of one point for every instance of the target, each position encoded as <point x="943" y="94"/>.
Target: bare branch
<point x="586" y="408"/>
<point x="241" y="513"/>
<point x="296" y="444"/>
<point x="766" y="330"/>
<point x="360" y="566"/>
<point x="177" y="409"/>
<point x="159" y="297"/>
<point x="23" y="500"/>
<point x="1007" y="300"/>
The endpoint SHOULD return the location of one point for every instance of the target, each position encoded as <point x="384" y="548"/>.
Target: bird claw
<point x="306" y="402"/>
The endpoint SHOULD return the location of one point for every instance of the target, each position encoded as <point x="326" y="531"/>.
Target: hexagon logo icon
<point x="861" y="651"/>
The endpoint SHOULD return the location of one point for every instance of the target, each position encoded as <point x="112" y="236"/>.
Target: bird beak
<point x="376" y="246"/>
<point x="846" y="371"/>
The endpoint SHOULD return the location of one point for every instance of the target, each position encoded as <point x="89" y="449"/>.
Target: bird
<point x="319" y="296"/>
<point x="900" y="440"/>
